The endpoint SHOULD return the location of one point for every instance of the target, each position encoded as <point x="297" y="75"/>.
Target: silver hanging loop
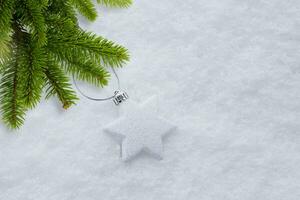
<point x="118" y="97"/>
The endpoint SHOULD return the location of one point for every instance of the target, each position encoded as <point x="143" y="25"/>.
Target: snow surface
<point x="228" y="74"/>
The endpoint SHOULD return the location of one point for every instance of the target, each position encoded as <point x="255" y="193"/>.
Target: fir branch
<point x="82" y="69"/>
<point x="88" y="45"/>
<point x="12" y="107"/>
<point x="87" y="71"/>
<point x="58" y="85"/>
<point x="6" y="12"/>
<point x="116" y="3"/>
<point x="33" y="59"/>
<point x="86" y="8"/>
<point x="62" y="8"/>
<point x="60" y="24"/>
<point x="43" y="42"/>
<point x="36" y="20"/>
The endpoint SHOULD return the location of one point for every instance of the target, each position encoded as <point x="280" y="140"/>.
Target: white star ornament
<point x="141" y="129"/>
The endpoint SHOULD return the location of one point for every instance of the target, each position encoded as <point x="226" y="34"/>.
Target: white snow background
<point x="227" y="73"/>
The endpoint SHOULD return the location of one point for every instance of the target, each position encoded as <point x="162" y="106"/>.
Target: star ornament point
<point x="140" y="129"/>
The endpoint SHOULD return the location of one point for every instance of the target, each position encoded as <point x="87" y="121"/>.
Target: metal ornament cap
<point x="119" y="97"/>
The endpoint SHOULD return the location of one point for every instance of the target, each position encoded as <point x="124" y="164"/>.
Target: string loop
<point x="99" y="99"/>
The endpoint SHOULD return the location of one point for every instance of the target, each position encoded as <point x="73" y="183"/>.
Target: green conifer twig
<point x="41" y="45"/>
